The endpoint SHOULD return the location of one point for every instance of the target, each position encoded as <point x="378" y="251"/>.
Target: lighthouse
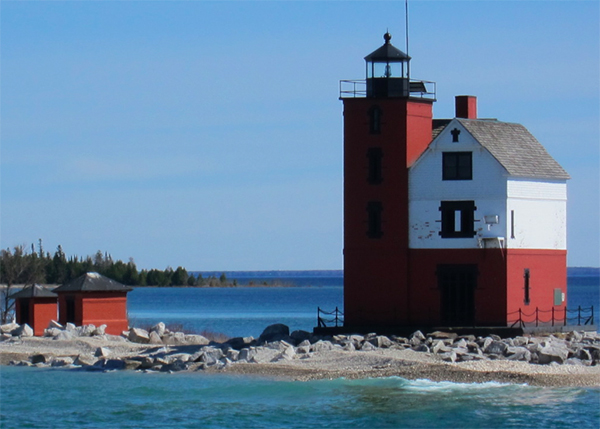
<point x="387" y="126"/>
<point x="456" y="222"/>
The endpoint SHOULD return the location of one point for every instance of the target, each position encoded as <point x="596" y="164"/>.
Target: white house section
<point x="431" y="196"/>
<point x="536" y="214"/>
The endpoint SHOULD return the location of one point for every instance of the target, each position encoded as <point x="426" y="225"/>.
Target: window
<point x="457" y="166"/>
<point x="458" y="219"/>
<point x="374" y="209"/>
<point x="375" y="120"/>
<point x="526" y="285"/>
<point x="374" y="156"/>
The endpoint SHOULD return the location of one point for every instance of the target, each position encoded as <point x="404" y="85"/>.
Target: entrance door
<point x="70" y="302"/>
<point x="24" y="312"/>
<point x="457" y="287"/>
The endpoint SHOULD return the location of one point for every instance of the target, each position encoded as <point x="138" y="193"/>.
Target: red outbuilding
<point x="35" y="306"/>
<point x="447" y="222"/>
<point x="93" y="299"/>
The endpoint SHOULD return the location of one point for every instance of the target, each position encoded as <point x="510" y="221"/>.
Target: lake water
<point x="54" y="398"/>
<point x="246" y="311"/>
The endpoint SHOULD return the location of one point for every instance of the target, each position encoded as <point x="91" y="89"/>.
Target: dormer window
<point x="457" y="166"/>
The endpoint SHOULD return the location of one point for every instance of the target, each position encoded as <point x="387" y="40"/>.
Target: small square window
<point x="458" y="219"/>
<point x="457" y="166"/>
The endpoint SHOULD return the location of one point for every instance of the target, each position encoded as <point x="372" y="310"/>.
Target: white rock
<point x="159" y="328"/>
<point x="137" y="335"/>
<point x="23" y="331"/>
<point x="55" y="324"/>
<point x="100" y="330"/>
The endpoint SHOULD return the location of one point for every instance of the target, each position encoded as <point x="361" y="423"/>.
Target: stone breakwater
<point x="280" y="351"/>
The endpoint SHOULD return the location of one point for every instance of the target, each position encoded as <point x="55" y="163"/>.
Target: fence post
<point x="552" y="316"/>
<point x="336" y="317"/>
<point x="565" y="324"/>
<point x="579" y="315"/>
<point x="536" y="317"/>
<point x="521" y="318"/>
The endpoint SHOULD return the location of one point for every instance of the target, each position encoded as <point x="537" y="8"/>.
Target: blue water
<point x="53" y="398"/>
<point x="36" y="398"/>
<point x="246" y="311"/>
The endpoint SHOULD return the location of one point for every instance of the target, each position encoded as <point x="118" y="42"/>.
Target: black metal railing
<point x="552" y="317"/>
<point x="358" y="89"/>
<point x="329" y="319"/>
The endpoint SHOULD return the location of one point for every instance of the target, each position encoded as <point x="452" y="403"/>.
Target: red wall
<point x="376" y="270"/>
<point x="97" y="308"/>
<point x="41" y="312"/>
<point x="490" y="293"/>
<point x="547" y="269"/>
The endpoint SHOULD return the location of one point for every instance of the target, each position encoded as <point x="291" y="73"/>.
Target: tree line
<point x="27" y="265"/>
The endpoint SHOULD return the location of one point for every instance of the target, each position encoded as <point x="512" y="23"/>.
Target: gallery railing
<point x="328" y="319"/>
<point x="552" y="317"/>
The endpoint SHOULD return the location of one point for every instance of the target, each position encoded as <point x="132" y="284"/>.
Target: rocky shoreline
<point x="569" y="359"/>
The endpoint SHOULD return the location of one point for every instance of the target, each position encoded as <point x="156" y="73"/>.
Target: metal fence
<point x="328" y="319"/>
<point x="552" y="317"/>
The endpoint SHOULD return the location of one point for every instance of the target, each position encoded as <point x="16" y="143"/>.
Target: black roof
<point x="33" y="291"/>
<point x="93" y="282"/>
<point x="387" y="53"/>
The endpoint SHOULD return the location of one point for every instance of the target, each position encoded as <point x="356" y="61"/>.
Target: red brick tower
<point x="387" y="126"/>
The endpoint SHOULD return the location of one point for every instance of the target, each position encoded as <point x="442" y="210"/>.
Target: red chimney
<point x="466" y="106"/>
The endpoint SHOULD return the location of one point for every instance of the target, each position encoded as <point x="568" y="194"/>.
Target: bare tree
<point x="16" y="267"/>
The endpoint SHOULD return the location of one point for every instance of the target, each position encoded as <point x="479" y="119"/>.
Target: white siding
<point x="427" y="190"/>
<point x="540" y="214"/>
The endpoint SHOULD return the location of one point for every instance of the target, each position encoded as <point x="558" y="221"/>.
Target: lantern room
<point x="387" y="71"/>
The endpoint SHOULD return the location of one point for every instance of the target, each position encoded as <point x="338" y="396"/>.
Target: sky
<point x="208" y="134"/>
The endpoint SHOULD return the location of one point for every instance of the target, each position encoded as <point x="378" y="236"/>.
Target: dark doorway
<point x="457" y="288"/>
<point x="24" y="312"/>
<point x="70" y="302"/>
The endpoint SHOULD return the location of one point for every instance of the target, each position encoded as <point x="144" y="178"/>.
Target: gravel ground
<point x="334" y="364"/>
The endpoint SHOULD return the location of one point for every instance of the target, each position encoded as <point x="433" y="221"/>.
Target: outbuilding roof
<point x="33" y="291"/>
<point x="93" y="282"/>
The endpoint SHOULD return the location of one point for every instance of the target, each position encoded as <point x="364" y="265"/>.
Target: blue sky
<point x="209" y="134"/>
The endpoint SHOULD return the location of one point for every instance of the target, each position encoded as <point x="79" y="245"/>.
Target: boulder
<point x="440" y="335"/>
<point x="39" y="358"/>
<point x="418" y="335"/>
<point x="367" y="346"/>
<point x="239" y="343"/>
<point x="64" y="336"/>
<point x="518" y="353"/>
<point x="421" y="348"/>
<point x="100" y="330"/>
<point x="137" y="335"/>
<point x="496" y="347"/>
<point x="154" y="338"/>
<point x="196" y="340"/>
<point x="62" y="361"/>
<point x="174" y="338"/>
<point x="7" y="328"/>
<point x="110" y="364"/>
<point x="102" y="352"/>
<point x="246" y="354"/>
<point x="84" y="360"/>
<point x="85" y="330"/>
<point x="287" y="354"/>
<point x="70" y="326"/>
<point x="274" y="332"/>
<point x="381" y="341"/>
<point x="300" y="335"/>
<point x="55" y="324"/>
<point x="552" y="352"/>
<point x="321" y="346"/>
<point x="52" y="332"/>
<point x="23" y="331"/>
<point x="159" y="328"/>
<point x="232" y="355"/>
